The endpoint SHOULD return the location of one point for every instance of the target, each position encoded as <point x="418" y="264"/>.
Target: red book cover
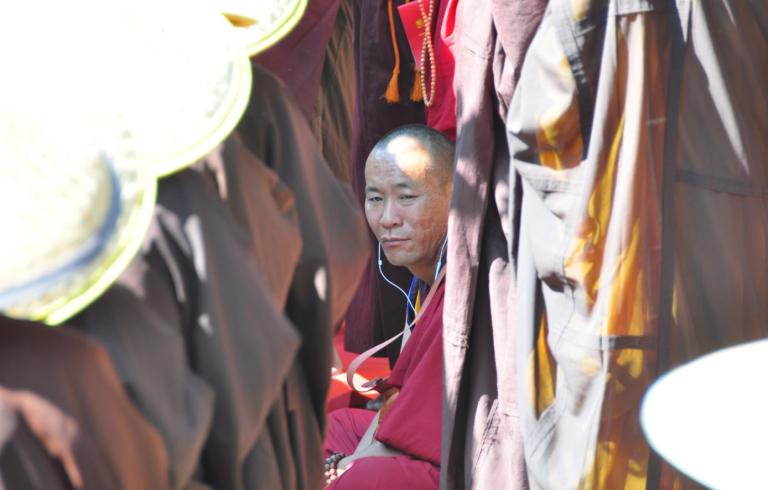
<point x="413" y="24"/>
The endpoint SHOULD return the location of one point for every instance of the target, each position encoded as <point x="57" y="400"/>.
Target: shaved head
<point x="408" y="178"/>
<point x="418" y="142"/>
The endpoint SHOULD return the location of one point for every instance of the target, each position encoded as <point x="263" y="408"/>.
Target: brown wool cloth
<point x="77" y="376"/>
<point x="221" y="328"/>
<point x="332" y="258"/>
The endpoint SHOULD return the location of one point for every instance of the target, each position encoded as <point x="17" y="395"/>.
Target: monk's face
<point x="406" y="204"/>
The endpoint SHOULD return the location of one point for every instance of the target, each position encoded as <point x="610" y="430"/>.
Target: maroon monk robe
<point x="316" y="63"/>
<point x="441" y="115"/>
<point x="298" y="58"/>
<point x="412" y="423"/>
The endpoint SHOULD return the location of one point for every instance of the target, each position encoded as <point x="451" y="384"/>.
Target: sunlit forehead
<point x="410" y="156"/>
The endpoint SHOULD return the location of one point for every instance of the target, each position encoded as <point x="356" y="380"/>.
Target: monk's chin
<point x="397" y="259"/>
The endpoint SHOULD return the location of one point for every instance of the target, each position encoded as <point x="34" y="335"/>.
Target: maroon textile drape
<point x="412" y="423"/>
<point x="482" y="446"/>
<point x="298" y="58"/>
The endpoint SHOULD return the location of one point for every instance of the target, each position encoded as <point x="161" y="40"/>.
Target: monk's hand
<point x="389" y="397"/>
<point x="56" y="430"/>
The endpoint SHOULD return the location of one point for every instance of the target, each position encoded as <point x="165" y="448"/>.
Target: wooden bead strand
<point x="428" y="51"/>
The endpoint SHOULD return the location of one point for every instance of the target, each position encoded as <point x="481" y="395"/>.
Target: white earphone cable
<point x="408" y="299"/>
<point x="440" y="259"/>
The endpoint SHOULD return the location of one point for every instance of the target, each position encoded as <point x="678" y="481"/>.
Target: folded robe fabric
<point x="196" y="334"/>
<point x="334" y="251"/>
<point x="198" y="316"/>
<point x="299" y="57"/>
<point x="332" y="227"/>
<point x="332" y="124"/>
<point x="639" y="143"/>
<point x="315" y="61"/>
<point x="348" y="426"/>
<point x="413" y="423"/>
<point x="482" y="442"/>
<point x="115" y="447"/>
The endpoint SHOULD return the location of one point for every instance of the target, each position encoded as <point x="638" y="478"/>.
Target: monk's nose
<point x="390" y="218"/>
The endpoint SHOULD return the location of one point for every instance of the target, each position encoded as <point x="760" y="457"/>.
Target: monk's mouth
<point x="393" y="242"/>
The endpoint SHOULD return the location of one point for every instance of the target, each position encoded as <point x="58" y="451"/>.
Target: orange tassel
<point x="392" y="94"/>
<point x="416" y="94"/>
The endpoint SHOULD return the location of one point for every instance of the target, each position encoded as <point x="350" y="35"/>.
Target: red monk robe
<point x="442" y="114"/>
<point x="412" y="423"/>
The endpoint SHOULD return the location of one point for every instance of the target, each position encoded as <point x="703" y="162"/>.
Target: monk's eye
<point x="408" y="197"/>
<point x="374" y="199"/>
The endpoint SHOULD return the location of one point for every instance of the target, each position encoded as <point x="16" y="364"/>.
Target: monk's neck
<point x="425" y="273"/>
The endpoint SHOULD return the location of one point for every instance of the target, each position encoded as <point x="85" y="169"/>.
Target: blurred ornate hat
<point x="96" y="100"/>
<point x="262" y="23"/>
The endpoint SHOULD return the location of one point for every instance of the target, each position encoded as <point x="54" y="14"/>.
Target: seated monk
<point x="407" y="196"/>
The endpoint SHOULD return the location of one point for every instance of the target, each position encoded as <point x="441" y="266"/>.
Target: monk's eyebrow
<point x="400" y="185"/>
